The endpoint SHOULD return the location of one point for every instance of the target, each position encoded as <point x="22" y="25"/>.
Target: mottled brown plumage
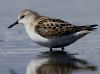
<point x="53" y="28"/>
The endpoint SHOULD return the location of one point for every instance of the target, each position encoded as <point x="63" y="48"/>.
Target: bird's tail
<point x="84" y="30"/>
<point x="89" y="27"/>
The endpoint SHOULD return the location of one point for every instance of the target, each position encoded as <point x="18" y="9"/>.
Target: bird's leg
<point x="50" y="49"/>
<point x="62" y="48"/>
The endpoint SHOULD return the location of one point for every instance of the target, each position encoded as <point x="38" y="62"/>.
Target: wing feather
<point x="52" y="28"/>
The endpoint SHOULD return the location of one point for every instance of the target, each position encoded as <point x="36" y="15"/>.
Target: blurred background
<point x="17" y="49"/>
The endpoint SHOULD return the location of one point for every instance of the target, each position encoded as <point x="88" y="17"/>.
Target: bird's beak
<point x="13" y="24"/>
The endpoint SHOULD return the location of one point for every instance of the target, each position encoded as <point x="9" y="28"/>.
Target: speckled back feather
<point x="53" y="28"/>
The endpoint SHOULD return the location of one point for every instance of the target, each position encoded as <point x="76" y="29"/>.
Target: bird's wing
<point x="52" y="28"/>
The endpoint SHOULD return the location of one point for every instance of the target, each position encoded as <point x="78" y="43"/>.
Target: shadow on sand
<point x="57" y="62"/>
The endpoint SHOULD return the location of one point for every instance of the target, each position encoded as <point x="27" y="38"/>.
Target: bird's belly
<point x="52" y="42"/>
<point x="62" y="41"/>
<point x="55" y="42"/>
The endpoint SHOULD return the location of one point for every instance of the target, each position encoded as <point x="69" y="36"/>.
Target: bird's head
<point x="25" y="17"/>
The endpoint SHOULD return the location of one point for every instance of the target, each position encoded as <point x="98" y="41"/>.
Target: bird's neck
<point x="28" y="27"/>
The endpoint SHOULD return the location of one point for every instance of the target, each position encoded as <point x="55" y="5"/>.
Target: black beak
<point x="13" y="24"/>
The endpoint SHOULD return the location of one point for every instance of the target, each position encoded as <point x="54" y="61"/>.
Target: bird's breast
<point x="36" y="37"/>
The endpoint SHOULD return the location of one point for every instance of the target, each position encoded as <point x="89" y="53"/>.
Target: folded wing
<point x="53" y="28"/>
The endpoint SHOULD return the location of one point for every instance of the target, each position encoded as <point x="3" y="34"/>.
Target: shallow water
<point x="17" y="50"/>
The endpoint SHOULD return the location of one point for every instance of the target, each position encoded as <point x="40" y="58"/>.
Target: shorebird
<point x="51" y="32"/>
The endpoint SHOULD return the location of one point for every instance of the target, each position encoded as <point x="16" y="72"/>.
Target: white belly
<point x="54" y="42"/>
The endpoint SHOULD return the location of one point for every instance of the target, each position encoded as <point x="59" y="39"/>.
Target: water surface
<point x="17" y="50"/>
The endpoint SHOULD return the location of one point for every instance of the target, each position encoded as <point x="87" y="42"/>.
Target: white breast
<point x="36" y="37"/>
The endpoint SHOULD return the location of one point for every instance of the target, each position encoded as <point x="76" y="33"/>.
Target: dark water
<point x="17" y="50"/>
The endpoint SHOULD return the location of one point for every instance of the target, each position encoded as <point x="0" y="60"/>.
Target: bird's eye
<point x="22" y="16"/>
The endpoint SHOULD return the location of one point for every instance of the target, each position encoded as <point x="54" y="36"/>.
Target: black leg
<point x="62" y="48"/>
<point x="50" y="49"/>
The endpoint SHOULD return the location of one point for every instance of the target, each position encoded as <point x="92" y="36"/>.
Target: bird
<point x="49" y="31"/>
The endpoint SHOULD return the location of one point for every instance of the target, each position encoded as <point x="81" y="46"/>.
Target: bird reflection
<point x="56" y="62"/>
<point x="61" y="62"/>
